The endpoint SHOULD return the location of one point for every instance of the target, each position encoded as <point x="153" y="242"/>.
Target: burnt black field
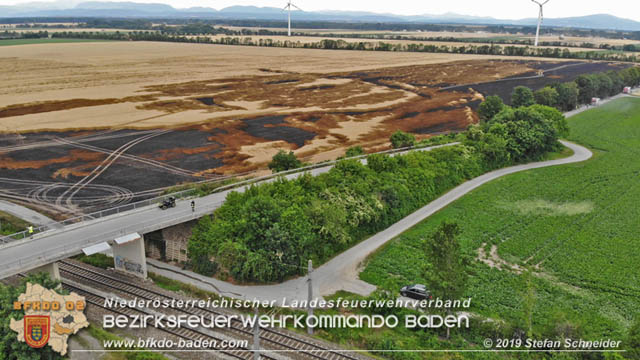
<point x="504" y="88"/>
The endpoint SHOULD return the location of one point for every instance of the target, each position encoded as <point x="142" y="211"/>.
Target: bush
<point x="98" y="260"/>
<point x="401" y="139"/>
<point x="283" y="162"/>
<point x="354" y="151"/>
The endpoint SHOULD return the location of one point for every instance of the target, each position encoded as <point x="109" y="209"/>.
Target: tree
<point x="522" y="96"/>
<point x="401" y="139"/>
<point x="587" y="88"/>
<point x="556" y="117"/>
<point x="605" y="85"/>
<point x="528" y="133"/>
<point x="446" y="271"/>
<point x="283" y="162"/>
<point x="490" y="107"/>
<point x="567" y="96"/>
<point x="547" y="96"/>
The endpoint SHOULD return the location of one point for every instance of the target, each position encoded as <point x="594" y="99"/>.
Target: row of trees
<point x="159" y="23"/>
<point x="268" y="232"/>
<point x="205" y="29"/>
<point x="566" y="96"/>
<point x="178" y="25"/>
<point x="23" y="35"/>
<point x="487" y="49"/>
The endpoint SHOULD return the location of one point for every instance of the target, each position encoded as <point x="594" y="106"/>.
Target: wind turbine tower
<point x="540" y="16"/>
<point x="288" y="7"/>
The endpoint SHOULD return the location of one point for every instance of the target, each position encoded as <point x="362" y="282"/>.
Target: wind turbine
<point x="288" y="7"/>
<point x="540" y="16"/>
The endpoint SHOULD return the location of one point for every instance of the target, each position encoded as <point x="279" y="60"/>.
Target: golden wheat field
<point x="97" y="85"/>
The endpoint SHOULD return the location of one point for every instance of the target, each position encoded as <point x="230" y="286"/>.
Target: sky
<point x="501" y="9"/>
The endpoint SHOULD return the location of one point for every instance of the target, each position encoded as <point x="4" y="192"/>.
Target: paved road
<point x="54" y="245"/>
<point x="24" y="213"/>
<point x="584" y="108"/>
<point x="341" y="273"/>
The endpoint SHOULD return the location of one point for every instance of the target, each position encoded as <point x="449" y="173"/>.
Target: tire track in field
<point x="170" y="168"/>
<point x="103" y="135"/>
<point x="67" y="196"/>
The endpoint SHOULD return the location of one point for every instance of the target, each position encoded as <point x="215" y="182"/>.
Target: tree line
<point x="568" y="96"/>
<point x="331" y="44"/>
<point x="268" y="232"/>
<point x="152" y="23"/>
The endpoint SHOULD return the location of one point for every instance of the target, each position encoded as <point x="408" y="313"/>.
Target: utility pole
<point x="309" y="307"/>
<point x="256" y="337"/>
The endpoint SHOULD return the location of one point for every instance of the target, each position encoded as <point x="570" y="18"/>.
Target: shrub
<point x="283" y="162"/>
<point x="354" y="151"/>
<point x="490" y="107"/>
<point x="401" y="139"/>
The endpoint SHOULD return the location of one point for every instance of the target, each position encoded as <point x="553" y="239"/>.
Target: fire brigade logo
<point x="49" y="318"/>
<point x="37" y="329"/>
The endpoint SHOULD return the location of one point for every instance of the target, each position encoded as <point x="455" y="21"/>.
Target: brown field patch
<point x="74" y="155"/>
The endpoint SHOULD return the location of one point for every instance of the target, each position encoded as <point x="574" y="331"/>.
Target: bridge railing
<point x="68" y="250"/>
<point x="190" y="193"/>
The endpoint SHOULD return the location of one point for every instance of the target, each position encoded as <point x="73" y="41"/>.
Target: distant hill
<point x="75" y="8"/>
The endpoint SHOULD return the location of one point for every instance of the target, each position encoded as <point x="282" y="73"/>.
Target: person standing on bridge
<point x="193" y="205"/>
<point x="30" y="230"/>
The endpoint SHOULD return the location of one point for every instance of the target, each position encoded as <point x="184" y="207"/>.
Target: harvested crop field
<point x="90" y="126"/>
<point x="544" y="75"/>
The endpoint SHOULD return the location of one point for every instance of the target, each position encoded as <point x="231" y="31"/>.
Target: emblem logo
<point x="36" y="330"/>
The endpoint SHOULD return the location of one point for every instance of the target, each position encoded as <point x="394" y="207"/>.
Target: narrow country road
<point x="341" y="273"/>
<point x="24" y="213"/>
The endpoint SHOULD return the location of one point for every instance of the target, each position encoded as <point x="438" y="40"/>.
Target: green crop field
<point x="10" y="42"/>
<point x="576" y="226"/>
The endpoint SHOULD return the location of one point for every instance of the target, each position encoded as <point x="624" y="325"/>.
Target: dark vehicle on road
<point x="168" y="203"/>
<point x="417" y="291"/>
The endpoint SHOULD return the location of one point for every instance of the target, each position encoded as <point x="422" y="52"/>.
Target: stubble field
<point x="91" y="125"/>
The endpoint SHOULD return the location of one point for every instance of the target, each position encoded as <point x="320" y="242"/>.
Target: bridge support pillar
<point x="129" y="255"/>
<point x="51" y="269"/>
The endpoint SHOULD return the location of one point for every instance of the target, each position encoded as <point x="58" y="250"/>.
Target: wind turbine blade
<point x="296" y="7"/>
<point x="285" y="8"/>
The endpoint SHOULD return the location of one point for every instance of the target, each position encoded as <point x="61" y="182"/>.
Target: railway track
<point x="277" y="340"/>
